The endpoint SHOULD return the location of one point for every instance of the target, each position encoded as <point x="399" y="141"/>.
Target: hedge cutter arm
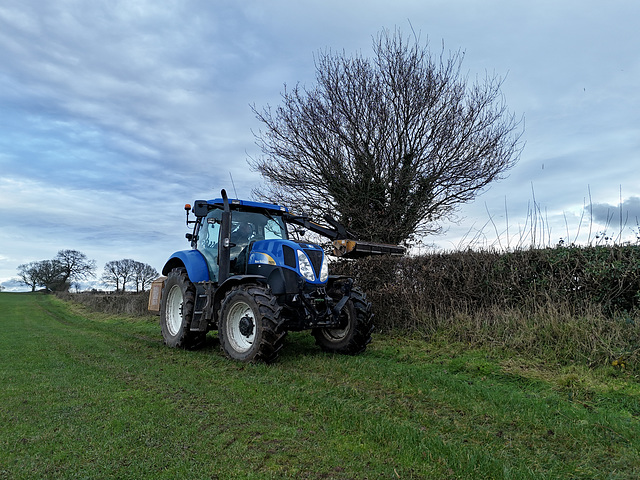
<point x="345" y="243"/>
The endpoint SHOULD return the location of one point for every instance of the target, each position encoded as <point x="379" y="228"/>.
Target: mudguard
<point x="193" y="261"/>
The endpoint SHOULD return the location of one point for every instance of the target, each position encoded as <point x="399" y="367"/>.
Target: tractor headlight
<point x="305" y="266"/>
<point x="324" y="270"/>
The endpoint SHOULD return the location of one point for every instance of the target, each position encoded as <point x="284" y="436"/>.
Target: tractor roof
<point x="247" y="203"/>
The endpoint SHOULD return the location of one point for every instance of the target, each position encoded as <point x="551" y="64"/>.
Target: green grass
<point x="86" y="395"/>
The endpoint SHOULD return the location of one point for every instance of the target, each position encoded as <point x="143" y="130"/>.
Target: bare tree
<point x="75" y="266"/>
<point x="389" y="146"/>
<point x="144" y="274"/>
<point x="44" y="273"/>
<point x="111" y="275"/>
<point x="119" y="273"/>
<point x="50" y="275"/>
<point x="28" y="274"/>
<point x="127" y="271"/>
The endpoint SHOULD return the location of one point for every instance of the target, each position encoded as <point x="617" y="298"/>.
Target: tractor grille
<point x="316" y="260"/>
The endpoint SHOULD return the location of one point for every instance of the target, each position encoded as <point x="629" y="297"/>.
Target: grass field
<point x="86" y="395"/>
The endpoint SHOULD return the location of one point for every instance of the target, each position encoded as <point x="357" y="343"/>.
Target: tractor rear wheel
<point x="354" y="332"/>
<point x="176" y="311"/>
<point x="249" y="324"/>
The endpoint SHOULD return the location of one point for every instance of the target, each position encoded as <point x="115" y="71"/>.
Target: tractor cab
<point x="249" y="224"/>
<point x="239" y="238"/>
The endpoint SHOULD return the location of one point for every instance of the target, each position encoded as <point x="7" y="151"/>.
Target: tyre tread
<point x="364" y="326"/>
<point x="273" y="335"/>
<point x="186" y="338"/>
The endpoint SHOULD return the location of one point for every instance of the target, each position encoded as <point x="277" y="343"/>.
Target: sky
<point x="114" y="114"/>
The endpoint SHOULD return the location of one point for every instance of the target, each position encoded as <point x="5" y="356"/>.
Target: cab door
<point x="208" y="241"/>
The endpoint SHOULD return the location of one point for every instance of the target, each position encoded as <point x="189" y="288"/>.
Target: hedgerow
<point x="130" y="303"/>
<point x="577" y="303"/>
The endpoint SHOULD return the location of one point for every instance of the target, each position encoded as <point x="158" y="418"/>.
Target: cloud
<point x="115" y="114"/>
<point x="155" y="82"/>
<point x="628" y="211"/>
<point x="14" y="285"/>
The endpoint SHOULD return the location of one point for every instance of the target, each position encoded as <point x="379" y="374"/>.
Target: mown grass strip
<point x="93" y="396"/>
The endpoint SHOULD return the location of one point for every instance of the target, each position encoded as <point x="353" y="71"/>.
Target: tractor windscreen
<point x="249" y="227"/>
<point x="246" y="227"/>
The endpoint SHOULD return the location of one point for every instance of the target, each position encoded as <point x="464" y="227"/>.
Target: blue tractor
<point x="246" y="279"/>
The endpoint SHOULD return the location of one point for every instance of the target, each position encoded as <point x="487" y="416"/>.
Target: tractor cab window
<point x="274" y="229"/>
<point x="248" y="227"/>
<point x="208" y="238"/>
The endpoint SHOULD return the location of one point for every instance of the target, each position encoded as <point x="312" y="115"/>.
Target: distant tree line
<point x="71" y="266"/>
<point x="67" y="267"/>
<point x="119" y="273"/>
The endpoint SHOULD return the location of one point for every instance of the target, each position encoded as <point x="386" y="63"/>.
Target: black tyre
<point x="176" y="311"/>
<point x="249" y="324"/>
<point x="354" y="333"/>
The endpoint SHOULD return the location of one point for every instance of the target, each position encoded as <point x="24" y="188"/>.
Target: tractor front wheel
<point x="176" y="311"/>
<point x="354" y="332"/>
<point x="249" y="324"/>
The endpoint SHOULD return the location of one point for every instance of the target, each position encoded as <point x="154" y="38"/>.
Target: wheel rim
<point x="174" y="310"/>
<point x="337" y="334"/>
<point x="241" y="327"/>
